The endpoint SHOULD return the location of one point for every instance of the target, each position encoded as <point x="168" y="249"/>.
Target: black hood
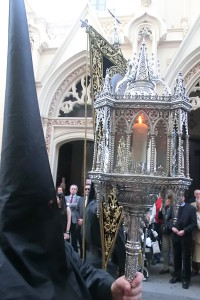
<point x="31" y="238"/>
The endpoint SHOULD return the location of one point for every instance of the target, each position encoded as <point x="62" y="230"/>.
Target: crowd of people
<point x="180" y="241"/>
<point x="74" y="209"/>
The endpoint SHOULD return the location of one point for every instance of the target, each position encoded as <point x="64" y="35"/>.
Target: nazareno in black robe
<point x="83" y="282"/>
<point x="35" y="263"/>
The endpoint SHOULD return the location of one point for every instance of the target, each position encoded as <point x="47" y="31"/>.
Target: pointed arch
<point x="53" y="90"/>
<point x="186" y="58"/>
<point x="161" y="119"/>
<point x="155" y="26"/>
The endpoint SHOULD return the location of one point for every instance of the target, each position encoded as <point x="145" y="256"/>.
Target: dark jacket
<point x="167" y="217"/>
<point x="73" y="207"/>
<point x="83" y="282"/>
<point x="87" y="282"/>
<point x="80" y="207"/>
<point x="187" y="221"/>
<point x="186" y="218"/>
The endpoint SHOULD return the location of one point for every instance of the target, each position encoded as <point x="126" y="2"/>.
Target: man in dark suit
<point x="182" y="243"/>
<point x="72" y="201"/>
<point x="80" y="210"/>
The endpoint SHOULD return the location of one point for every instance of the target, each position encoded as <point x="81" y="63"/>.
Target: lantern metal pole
<point x="133" y="244"/>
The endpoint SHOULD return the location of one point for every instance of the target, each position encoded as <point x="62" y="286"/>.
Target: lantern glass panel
<point x="120" y="145"/>
<point x="161" y="148"/>
<point x="139" y="144"/>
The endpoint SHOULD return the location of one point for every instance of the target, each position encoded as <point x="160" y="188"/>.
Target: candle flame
<point x="140" y="119"/>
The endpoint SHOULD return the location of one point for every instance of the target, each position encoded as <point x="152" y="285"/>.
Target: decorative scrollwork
<point x="99" y="48"/>
<point x="110" y="220"/>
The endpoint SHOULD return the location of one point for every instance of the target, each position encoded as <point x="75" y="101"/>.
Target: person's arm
<point x="102" y="285"/>
<point x="79" y="210"/>
<point x="170" y="218"/>
<point x="97" y="281"/>
<point x="67" y="233"/>
<point x="193" y="223"/>
<point x="69" y="215"/>
<point x="72" y="205"/>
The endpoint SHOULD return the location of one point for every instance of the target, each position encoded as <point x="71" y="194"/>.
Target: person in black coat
<point x="166" y="215"/>
<point x="80" y="210"/>
<point x="65" y="213"/>
<point x="182" y="243"/>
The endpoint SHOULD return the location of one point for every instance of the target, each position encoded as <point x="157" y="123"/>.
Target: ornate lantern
<point x="141" y="144"/>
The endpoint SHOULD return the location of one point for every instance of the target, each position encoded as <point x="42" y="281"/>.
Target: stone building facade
<point x="61" y="61"/>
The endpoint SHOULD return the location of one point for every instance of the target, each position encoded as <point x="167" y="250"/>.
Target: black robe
<point x="35" y="264"/>
<point x="82" y="282"/>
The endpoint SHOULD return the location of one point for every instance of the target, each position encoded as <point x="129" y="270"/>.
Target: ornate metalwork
<point x="75" y="96"/>
<point x="66" y="85"/>
<point x="110" y="220"/>
<point x="142" y="126"/>
<point x="100" y="48"/>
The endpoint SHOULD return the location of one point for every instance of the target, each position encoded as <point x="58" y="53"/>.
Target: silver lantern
<point x="141" y="145"/>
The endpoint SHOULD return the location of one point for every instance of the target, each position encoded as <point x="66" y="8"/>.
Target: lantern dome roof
<point x="142" y="76"/>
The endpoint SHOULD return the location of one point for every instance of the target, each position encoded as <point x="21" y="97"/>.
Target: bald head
<point x="197" y="194"/>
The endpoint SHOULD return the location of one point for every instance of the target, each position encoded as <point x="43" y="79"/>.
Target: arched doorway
<point x="71" y="164"/>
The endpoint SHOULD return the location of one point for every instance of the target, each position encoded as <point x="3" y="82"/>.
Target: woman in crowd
<point x="166" y="215"/>
<point x="65" y="213"/>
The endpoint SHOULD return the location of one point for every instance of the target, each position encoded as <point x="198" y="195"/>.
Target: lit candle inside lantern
<point x="139" y="143"/>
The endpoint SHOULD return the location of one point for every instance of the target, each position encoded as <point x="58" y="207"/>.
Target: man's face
<point x="87" y="188"/>
<point x="59" y="190"/>
<point x="197" y="194"/>
<point x="73" y="190"/>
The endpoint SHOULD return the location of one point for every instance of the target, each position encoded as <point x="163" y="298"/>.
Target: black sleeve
<point x="78" y="209"/>
<point x="160" y="215"/>
<point x="193" y="218"/>
<point x="97" y="281"/>
<point x="170" y="219"/>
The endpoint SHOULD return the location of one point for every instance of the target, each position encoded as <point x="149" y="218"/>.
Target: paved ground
<point x="157" y="286"/>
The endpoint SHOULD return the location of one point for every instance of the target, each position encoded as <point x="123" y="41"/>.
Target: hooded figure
<point x="34" y="261"/>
